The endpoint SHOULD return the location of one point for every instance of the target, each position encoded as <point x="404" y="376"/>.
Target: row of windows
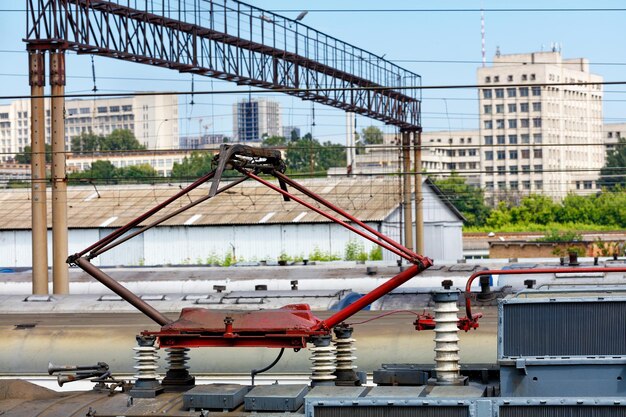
<point x="511" y="92"/>
<point x="514" y="169"/>
<point x="513" y="139"/>
<point x="512" y="123"/>
<point x="461" y="152"/>
<point x="462" y="165"/>
<point x="512" y="107"/>
<point x="510" y="78"/>
<point x="514" y="185"/>
<point x="450" y="140"/>
<point x="513" y="154"/>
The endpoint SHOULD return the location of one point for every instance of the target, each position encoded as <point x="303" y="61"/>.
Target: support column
<point x="406" y="188"/>
<point x="60" y="273"/>
<point x="37" y="81"/>
<point x="419" y="197"/>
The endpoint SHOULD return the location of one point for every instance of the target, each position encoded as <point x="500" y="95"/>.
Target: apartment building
<point x="537" y="137"/>
<point x="256" y="118"/>
<point x="152" y="119"/>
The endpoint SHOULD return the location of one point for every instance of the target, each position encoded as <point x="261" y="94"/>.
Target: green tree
<point x="194" y="166"/>
<point x="614" y="171"/>
<point x="468" y="199"/>
<point x="86" y="142"/>
<point x="274" y="141"/>
<point x="371" y="135"/>
<point x="136" y="173"/>
<point x="301" y="153"/>
<point x="25" y="156"/>
<point x="101" y="172"/>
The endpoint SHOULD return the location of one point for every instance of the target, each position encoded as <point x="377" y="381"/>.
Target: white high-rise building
<point x="152" y="119"/>
<point x="255" y="118"/>
<point x="538" y="137"/>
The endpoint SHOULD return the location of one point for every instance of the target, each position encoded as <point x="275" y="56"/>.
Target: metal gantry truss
<point x="233" y="41"/>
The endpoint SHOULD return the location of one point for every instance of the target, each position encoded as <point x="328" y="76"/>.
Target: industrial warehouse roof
<point x="370" y="199"/>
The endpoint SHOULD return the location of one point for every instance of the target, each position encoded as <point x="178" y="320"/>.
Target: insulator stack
<point x="146" y="384"/>
<point x="177" y="377"/>
<point x="177" y="359"/>
<point x="323" y="358"/>
<point x="446" y="338"/>
<point x="344" y="345"/>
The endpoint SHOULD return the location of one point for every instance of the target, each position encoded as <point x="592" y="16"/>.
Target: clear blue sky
<point x="404" y="37"/>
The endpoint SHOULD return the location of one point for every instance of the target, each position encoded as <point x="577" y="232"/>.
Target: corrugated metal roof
<point x="370" y="199"/>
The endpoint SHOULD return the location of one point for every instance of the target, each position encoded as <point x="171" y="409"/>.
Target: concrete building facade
<point x="256" y="118"/>
<point x="537" y="137"/>
<point x="152" y="119"/>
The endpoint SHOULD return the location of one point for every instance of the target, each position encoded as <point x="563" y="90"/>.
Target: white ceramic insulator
<point x="446" y="341"/>
<point x="345" y="347"/>
<point x="323" y="359"/>
<point x="177" y="358"/>
<point x="146" y="362"/>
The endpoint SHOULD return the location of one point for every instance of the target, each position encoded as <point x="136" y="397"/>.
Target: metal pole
<point x="406" y="188"/>
<point x="419" y="198"/>
<point x="60" y="273"/>
<point x="37" y="81"/>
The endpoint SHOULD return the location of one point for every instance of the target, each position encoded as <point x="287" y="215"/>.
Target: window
<point x="512" y="123"/>
<point x="524" y="122"/>
<point x="488" y="140"/>
<point x="496" y="78"/>
<point x="501" y="170"/>
<point x="501" y="155"/>
<point x="532" y="77"/>
<point x="526" y="154"/>
<point x="469" y="140"/>
<point x="536" y="91"/>
<point x="500" y="139"/>
<point x="524" y="77"/>
<point x="72" y="112"/>
<point x="539" y="185"/>
<point x="537" y="121"/>
<point x="489" y="185"/>
<point x="486" y="93"/>
<point x="537" y="106"/>
<point x="523" y="107"/>
<point x="513" y="169"/>
<point x="587" y="185"/>
<point x="538" y="153"/>
<point x="538" y="138"/>
<point x="84" y="110"/>
<point x="472" y="165"/>
<point x="510" y="92"/>
<point x="538" y="168"/>
<point x="487" y="79"/>
<point x="512" y="108"/>
<point x="513" y="139"/>
<point x="499" y="108"/>
<point x="499" y="93"/>
<point x="487" y="109"/>
<point x="523" y="91"/>
<point x="488" y="124"/>
<point x="489" y="155"/>
<point x="450" y="152"/>
<point x="489" y="169"/>
<point x="102" y="109"/>
<point x="514" y="185"/>
<point x="526" y="185"/>
<point x="452" y="166"/>
<point x="509" y="78"/>
<point x="502" y="185"/>
<point x="512" y="154"/>
<point x="500" y="124"/>
<point x="127" y="108"/>
<point x="525" y="168"/>
<point x="471" y="152"/>
<point x="114" y="109"/>
<point x="461" y="152"/>
<point x="462" y="165"/>
<point x="525" y="138"/>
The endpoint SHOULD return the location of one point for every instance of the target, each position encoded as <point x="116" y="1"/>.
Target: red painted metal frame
<point x="535" y="271"/>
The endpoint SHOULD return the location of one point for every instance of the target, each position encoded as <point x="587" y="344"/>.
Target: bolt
<point x="446" y="284"/>
<point x="261" y="287"/>
<point x="219" y="288"/>
<point x="294" y="284"/>
<point x="530" y="283"/>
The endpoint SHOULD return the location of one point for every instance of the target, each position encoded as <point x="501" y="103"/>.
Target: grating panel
<point x="391" y="411"/>
<point x="562" y="411"/>
<point x="564" y="329"/>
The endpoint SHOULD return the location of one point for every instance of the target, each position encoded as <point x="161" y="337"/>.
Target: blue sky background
<point x="404" y="37"/>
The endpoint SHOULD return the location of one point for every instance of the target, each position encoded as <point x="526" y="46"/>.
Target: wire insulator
<point x="177" y="358"/>
<point x="323" y="358"/>
<point x="344" y="348"/>
<point x="146" y="362"/>
<point x="446" y="341"/>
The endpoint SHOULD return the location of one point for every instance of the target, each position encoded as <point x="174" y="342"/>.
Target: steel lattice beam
<point x="232" y="41"/>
